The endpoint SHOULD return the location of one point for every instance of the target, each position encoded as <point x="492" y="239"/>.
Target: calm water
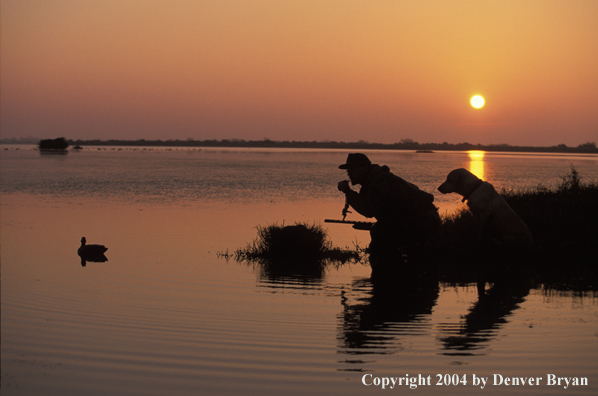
<point x="165" y="315"/>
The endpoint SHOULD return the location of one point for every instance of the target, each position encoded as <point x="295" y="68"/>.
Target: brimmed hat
<point x="356" y="160"/>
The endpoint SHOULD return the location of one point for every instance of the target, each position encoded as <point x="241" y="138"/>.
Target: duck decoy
<point x="91" y="249"/>
<point x="94" y="253"/>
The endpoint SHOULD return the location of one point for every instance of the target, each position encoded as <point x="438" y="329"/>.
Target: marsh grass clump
<point x="295" y="248"/>
<point x="563" y="222"/>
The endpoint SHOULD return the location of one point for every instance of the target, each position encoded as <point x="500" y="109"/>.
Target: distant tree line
<point x="404" y="144"/>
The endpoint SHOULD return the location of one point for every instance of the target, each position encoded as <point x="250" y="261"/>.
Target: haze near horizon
<point x="310" y="70"/>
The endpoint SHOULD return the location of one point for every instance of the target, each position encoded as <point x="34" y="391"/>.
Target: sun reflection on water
<point x="476" y="162"/>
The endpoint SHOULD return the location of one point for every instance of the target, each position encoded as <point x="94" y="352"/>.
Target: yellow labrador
<point x="493" y="213"/>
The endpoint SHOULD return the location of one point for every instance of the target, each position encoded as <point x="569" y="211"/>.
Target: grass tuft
<point x="295" y="249"/>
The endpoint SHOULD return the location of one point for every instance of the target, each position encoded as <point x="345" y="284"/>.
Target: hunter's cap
<point x="355" y="160"/>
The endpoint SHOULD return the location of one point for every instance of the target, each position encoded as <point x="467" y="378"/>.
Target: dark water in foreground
<point x="166" y="316"/>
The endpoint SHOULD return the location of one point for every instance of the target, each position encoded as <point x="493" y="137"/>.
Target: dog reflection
<point x="487" y="315"/>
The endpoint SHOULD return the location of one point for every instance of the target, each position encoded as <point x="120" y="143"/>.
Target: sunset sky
<point x="345" y="70"/>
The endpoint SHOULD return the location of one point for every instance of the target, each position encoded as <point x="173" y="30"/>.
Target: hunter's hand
<point x="344" y="186"/>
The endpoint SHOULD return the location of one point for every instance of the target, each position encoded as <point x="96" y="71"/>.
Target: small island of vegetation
<point x="58" y="145"/>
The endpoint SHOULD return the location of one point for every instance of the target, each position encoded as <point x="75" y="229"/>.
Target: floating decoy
<point x="90" y="250"/>
<point x="93" y="253"/>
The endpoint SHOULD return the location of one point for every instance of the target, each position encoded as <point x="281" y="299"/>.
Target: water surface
<point x="166" y="315"/>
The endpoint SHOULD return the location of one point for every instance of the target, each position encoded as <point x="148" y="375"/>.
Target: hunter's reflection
<point x="373" y="323"/>
<point x="487" y="314"/>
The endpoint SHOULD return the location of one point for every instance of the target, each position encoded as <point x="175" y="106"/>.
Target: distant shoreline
<point x="405" y="144"/>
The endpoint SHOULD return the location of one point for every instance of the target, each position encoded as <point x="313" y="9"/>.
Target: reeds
<point x="563" y="222"/>
<point x="295" y="249"/>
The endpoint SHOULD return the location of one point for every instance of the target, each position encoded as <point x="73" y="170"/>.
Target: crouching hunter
<point x="405" y="215"/>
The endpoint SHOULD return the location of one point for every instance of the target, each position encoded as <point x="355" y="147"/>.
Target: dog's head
<point x="458" y="181"/>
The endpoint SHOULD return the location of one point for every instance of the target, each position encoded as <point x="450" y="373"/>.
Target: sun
<point x="477" y="102"/>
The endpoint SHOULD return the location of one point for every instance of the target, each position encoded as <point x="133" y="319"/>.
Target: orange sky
<point x="345" y="70"/>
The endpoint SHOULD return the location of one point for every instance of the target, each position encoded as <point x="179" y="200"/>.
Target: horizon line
<point x="409" y="144"/>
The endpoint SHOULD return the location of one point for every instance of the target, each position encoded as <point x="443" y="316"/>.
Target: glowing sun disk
<point x="477" y="101"/>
